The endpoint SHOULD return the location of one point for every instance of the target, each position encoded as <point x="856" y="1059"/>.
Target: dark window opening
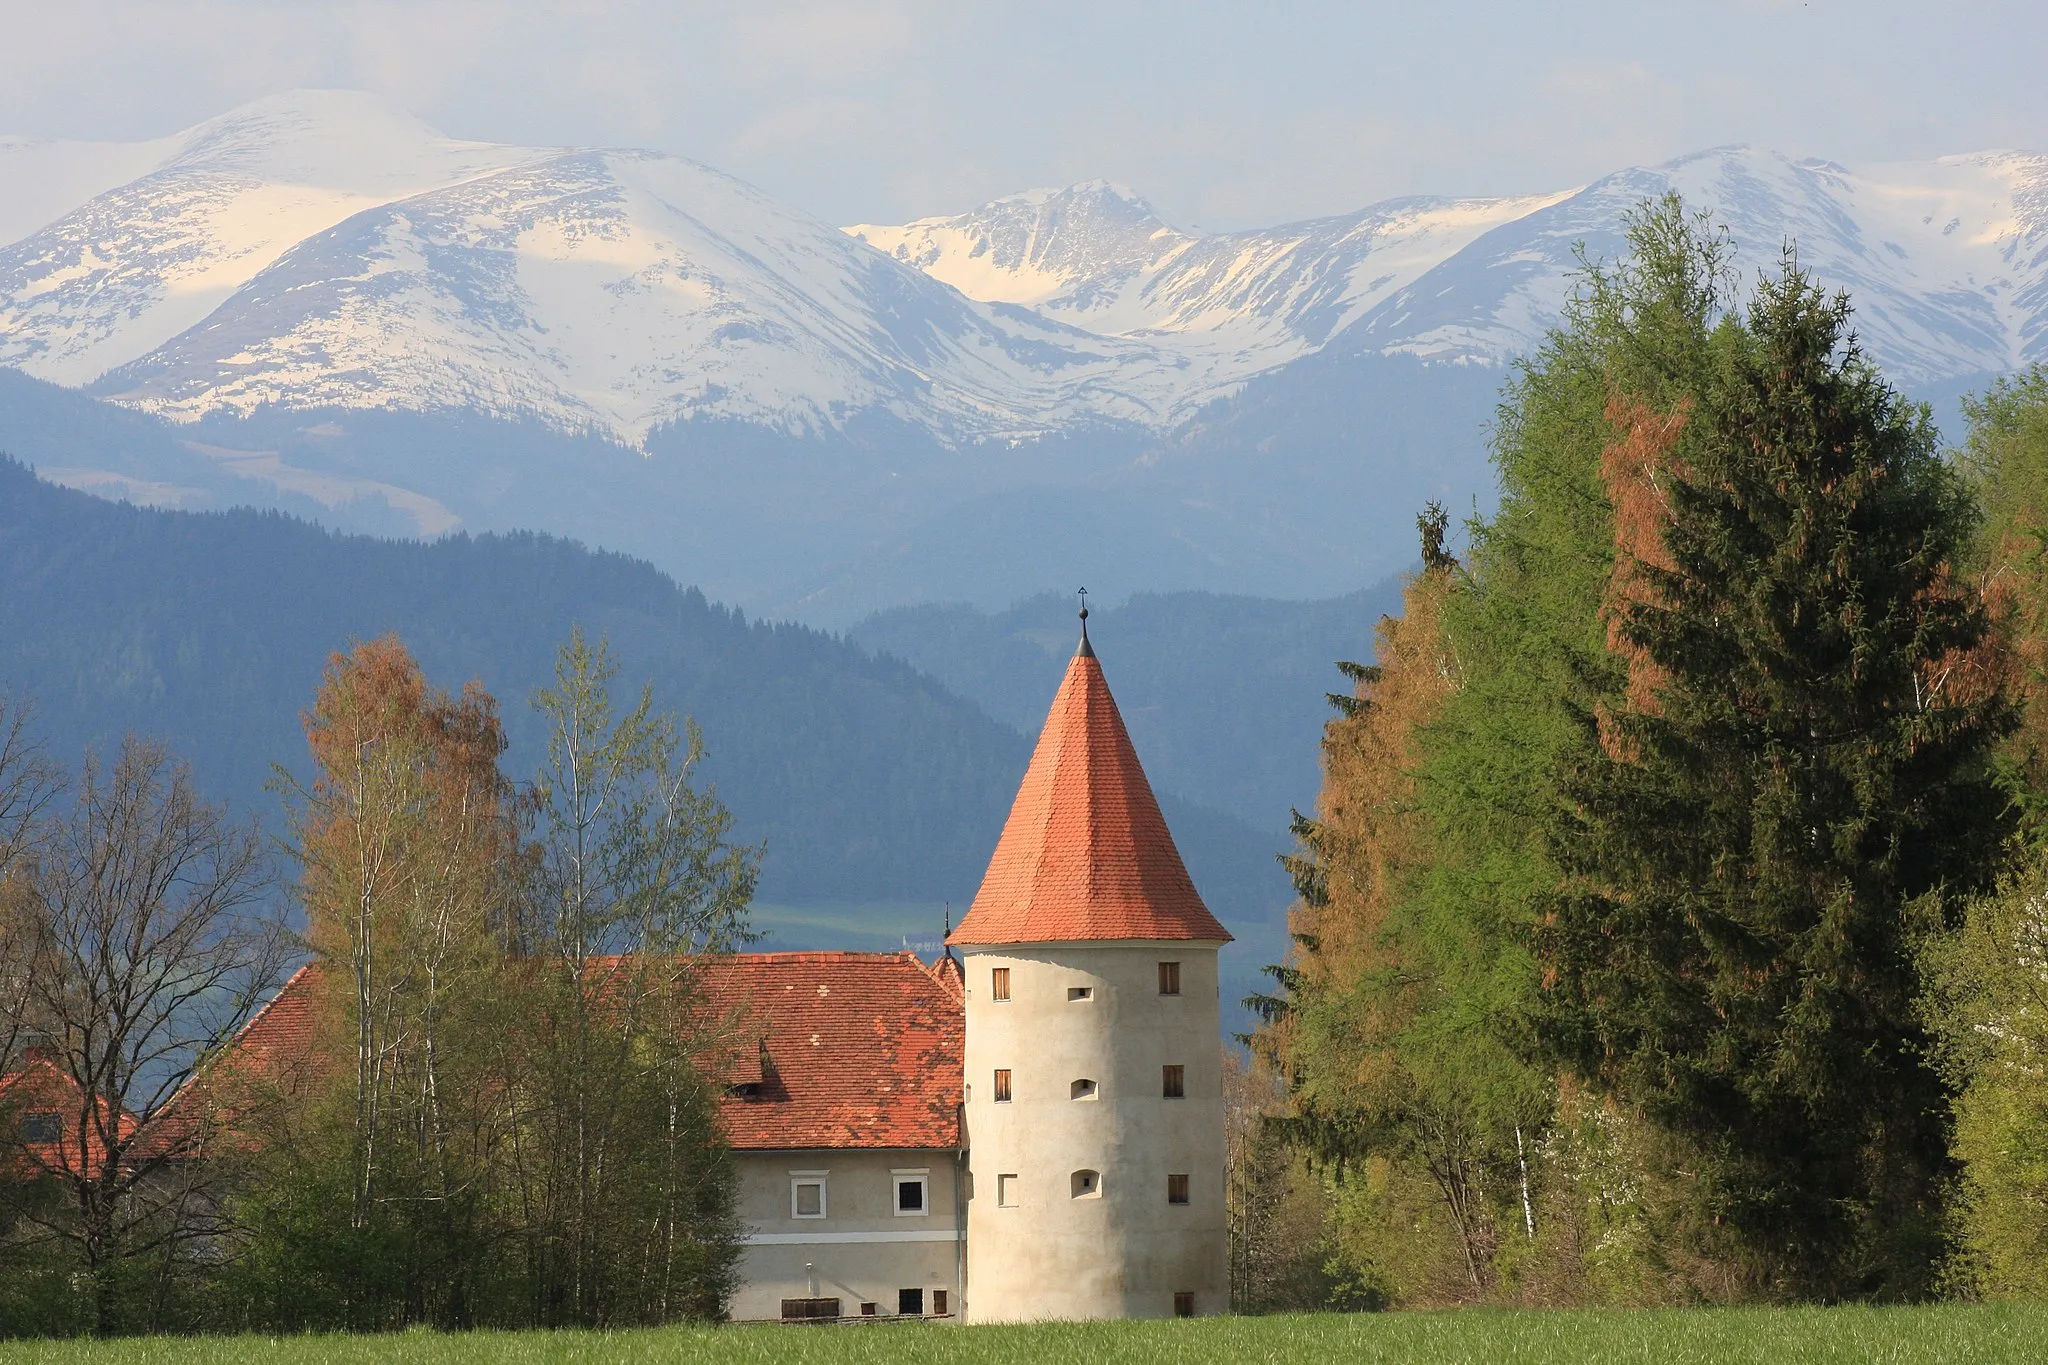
<point x="910" y="1196"/>
<point x="1003" y="1087"/>
<point x="1173" y="1082"/>
<point x="809" y="1310"/>
<point x="910" y="1303"/>
<point x="1184" y="1304"/>
<point x="999" y="982"/>
<point x="867" y="1310"/>
<point x="939" y="1304"/>
<point x="1176" y="1189"/>
<point x="1082" y="1090"/>
<point x="1080" y="992"/>
<point x="42" y="1127"/>
<point x="1085" y="1184"/>
<point x="1169" y="978"/>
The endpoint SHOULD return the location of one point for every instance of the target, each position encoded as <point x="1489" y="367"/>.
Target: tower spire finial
<point x="1086" y="650"/>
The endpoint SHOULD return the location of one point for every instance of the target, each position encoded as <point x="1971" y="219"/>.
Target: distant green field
<point x="1679" y="1337"/>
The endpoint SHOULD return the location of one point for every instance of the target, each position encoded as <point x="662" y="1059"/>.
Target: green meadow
<point x="1946" y="1333"/>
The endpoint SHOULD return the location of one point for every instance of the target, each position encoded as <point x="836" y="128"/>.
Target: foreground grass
<point x="1678" y="1337"/>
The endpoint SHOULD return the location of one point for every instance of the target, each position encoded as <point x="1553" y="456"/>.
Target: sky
<point x="1223" y="115"/>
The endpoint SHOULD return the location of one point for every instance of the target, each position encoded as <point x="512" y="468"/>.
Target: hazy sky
<point x="1224" y="115"/>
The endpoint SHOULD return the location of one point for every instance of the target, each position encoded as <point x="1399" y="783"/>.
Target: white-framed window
<point x="807" y="1194"/>
<point x="913" y="1192"/>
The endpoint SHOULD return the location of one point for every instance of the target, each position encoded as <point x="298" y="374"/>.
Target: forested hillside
<point x="868" y="780"/>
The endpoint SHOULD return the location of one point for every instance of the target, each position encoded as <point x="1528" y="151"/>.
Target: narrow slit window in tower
<point x="1086" y="1184"/>
<point x="1169" y="978"/>
<point x="1176" y="1189"/>
<point x="1173" y="1082"/>
<point x="999" y="983"/>
<point x="1003" y="1085"/>
<point x="1080" y="992"/>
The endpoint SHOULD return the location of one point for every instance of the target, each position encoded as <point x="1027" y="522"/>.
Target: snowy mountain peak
<point x="1068" y="248"/>
<point x="320" y="249"/>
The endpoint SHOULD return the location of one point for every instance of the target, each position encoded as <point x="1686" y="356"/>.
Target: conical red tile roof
<point x="1085" y="853"/>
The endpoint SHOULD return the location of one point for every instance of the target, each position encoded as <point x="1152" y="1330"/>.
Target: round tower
<point x="1094" y="1099"/>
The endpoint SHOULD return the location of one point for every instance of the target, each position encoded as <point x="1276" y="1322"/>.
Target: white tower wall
<point x="1125" y="1250"/>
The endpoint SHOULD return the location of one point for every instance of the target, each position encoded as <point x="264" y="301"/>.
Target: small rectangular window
<point x="1007" y="1192"/>
<point x="999" y="983"/>
<point x="939" y="1303"/>
<point x="809" y="1310"/>
<point x="42" y="1127"/>
<point x="1169" y="978"/>
<point x="1176" y="1189"/>
<point x="807" y="1195"/>
<point x="1002" y="1086"/>
<point x="910" y="1303"/>
<point x="1080" y="992"/>
<point x="1173" y="1082"/>
<point x="1184" y="1304"/>
<point x="911" y="1194"/>
<point x="867" y="1310"/>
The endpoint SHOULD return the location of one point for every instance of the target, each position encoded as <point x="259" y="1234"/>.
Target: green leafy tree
<point x="1794" y="776"/>
<point x="627" y="1189"/>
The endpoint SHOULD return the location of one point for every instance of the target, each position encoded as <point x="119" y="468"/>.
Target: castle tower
<point x="1094" y="1097"/>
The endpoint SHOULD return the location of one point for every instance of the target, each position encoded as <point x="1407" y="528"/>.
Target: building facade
<point x="1032" y="1129"/>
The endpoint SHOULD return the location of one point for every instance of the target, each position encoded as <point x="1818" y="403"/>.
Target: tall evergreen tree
<point x="1795" y="777"/>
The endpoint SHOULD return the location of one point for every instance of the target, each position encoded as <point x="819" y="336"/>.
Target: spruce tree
<point x="1791" y="787"/>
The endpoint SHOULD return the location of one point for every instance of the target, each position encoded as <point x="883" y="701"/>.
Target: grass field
<point x="1994" y="1334"/>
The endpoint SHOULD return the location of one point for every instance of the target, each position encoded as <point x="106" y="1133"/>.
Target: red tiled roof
<point x="858" y="1049"/>
<point x="39" y="1086"/>
<point x="831" y="1049"/>
<point x="1085" y="853"/>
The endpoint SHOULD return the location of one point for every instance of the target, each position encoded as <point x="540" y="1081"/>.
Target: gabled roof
<point x="854" y="1050"/>
<point x="40" y="1087"/>
<point x="1085" y="853"/>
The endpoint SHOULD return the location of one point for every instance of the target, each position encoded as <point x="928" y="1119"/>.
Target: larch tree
<point x="409" y="854"/>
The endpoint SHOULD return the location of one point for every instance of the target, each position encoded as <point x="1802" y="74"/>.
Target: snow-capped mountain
<point x="320" y="250"/>
<point x="1947" y="262"/>
<point x="319" y="303"/>
<point x="1230" y="305"/>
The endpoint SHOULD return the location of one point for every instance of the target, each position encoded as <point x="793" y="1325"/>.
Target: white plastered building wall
<point x="1040" y="1245"/>
<point x="855" y="1243"/>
